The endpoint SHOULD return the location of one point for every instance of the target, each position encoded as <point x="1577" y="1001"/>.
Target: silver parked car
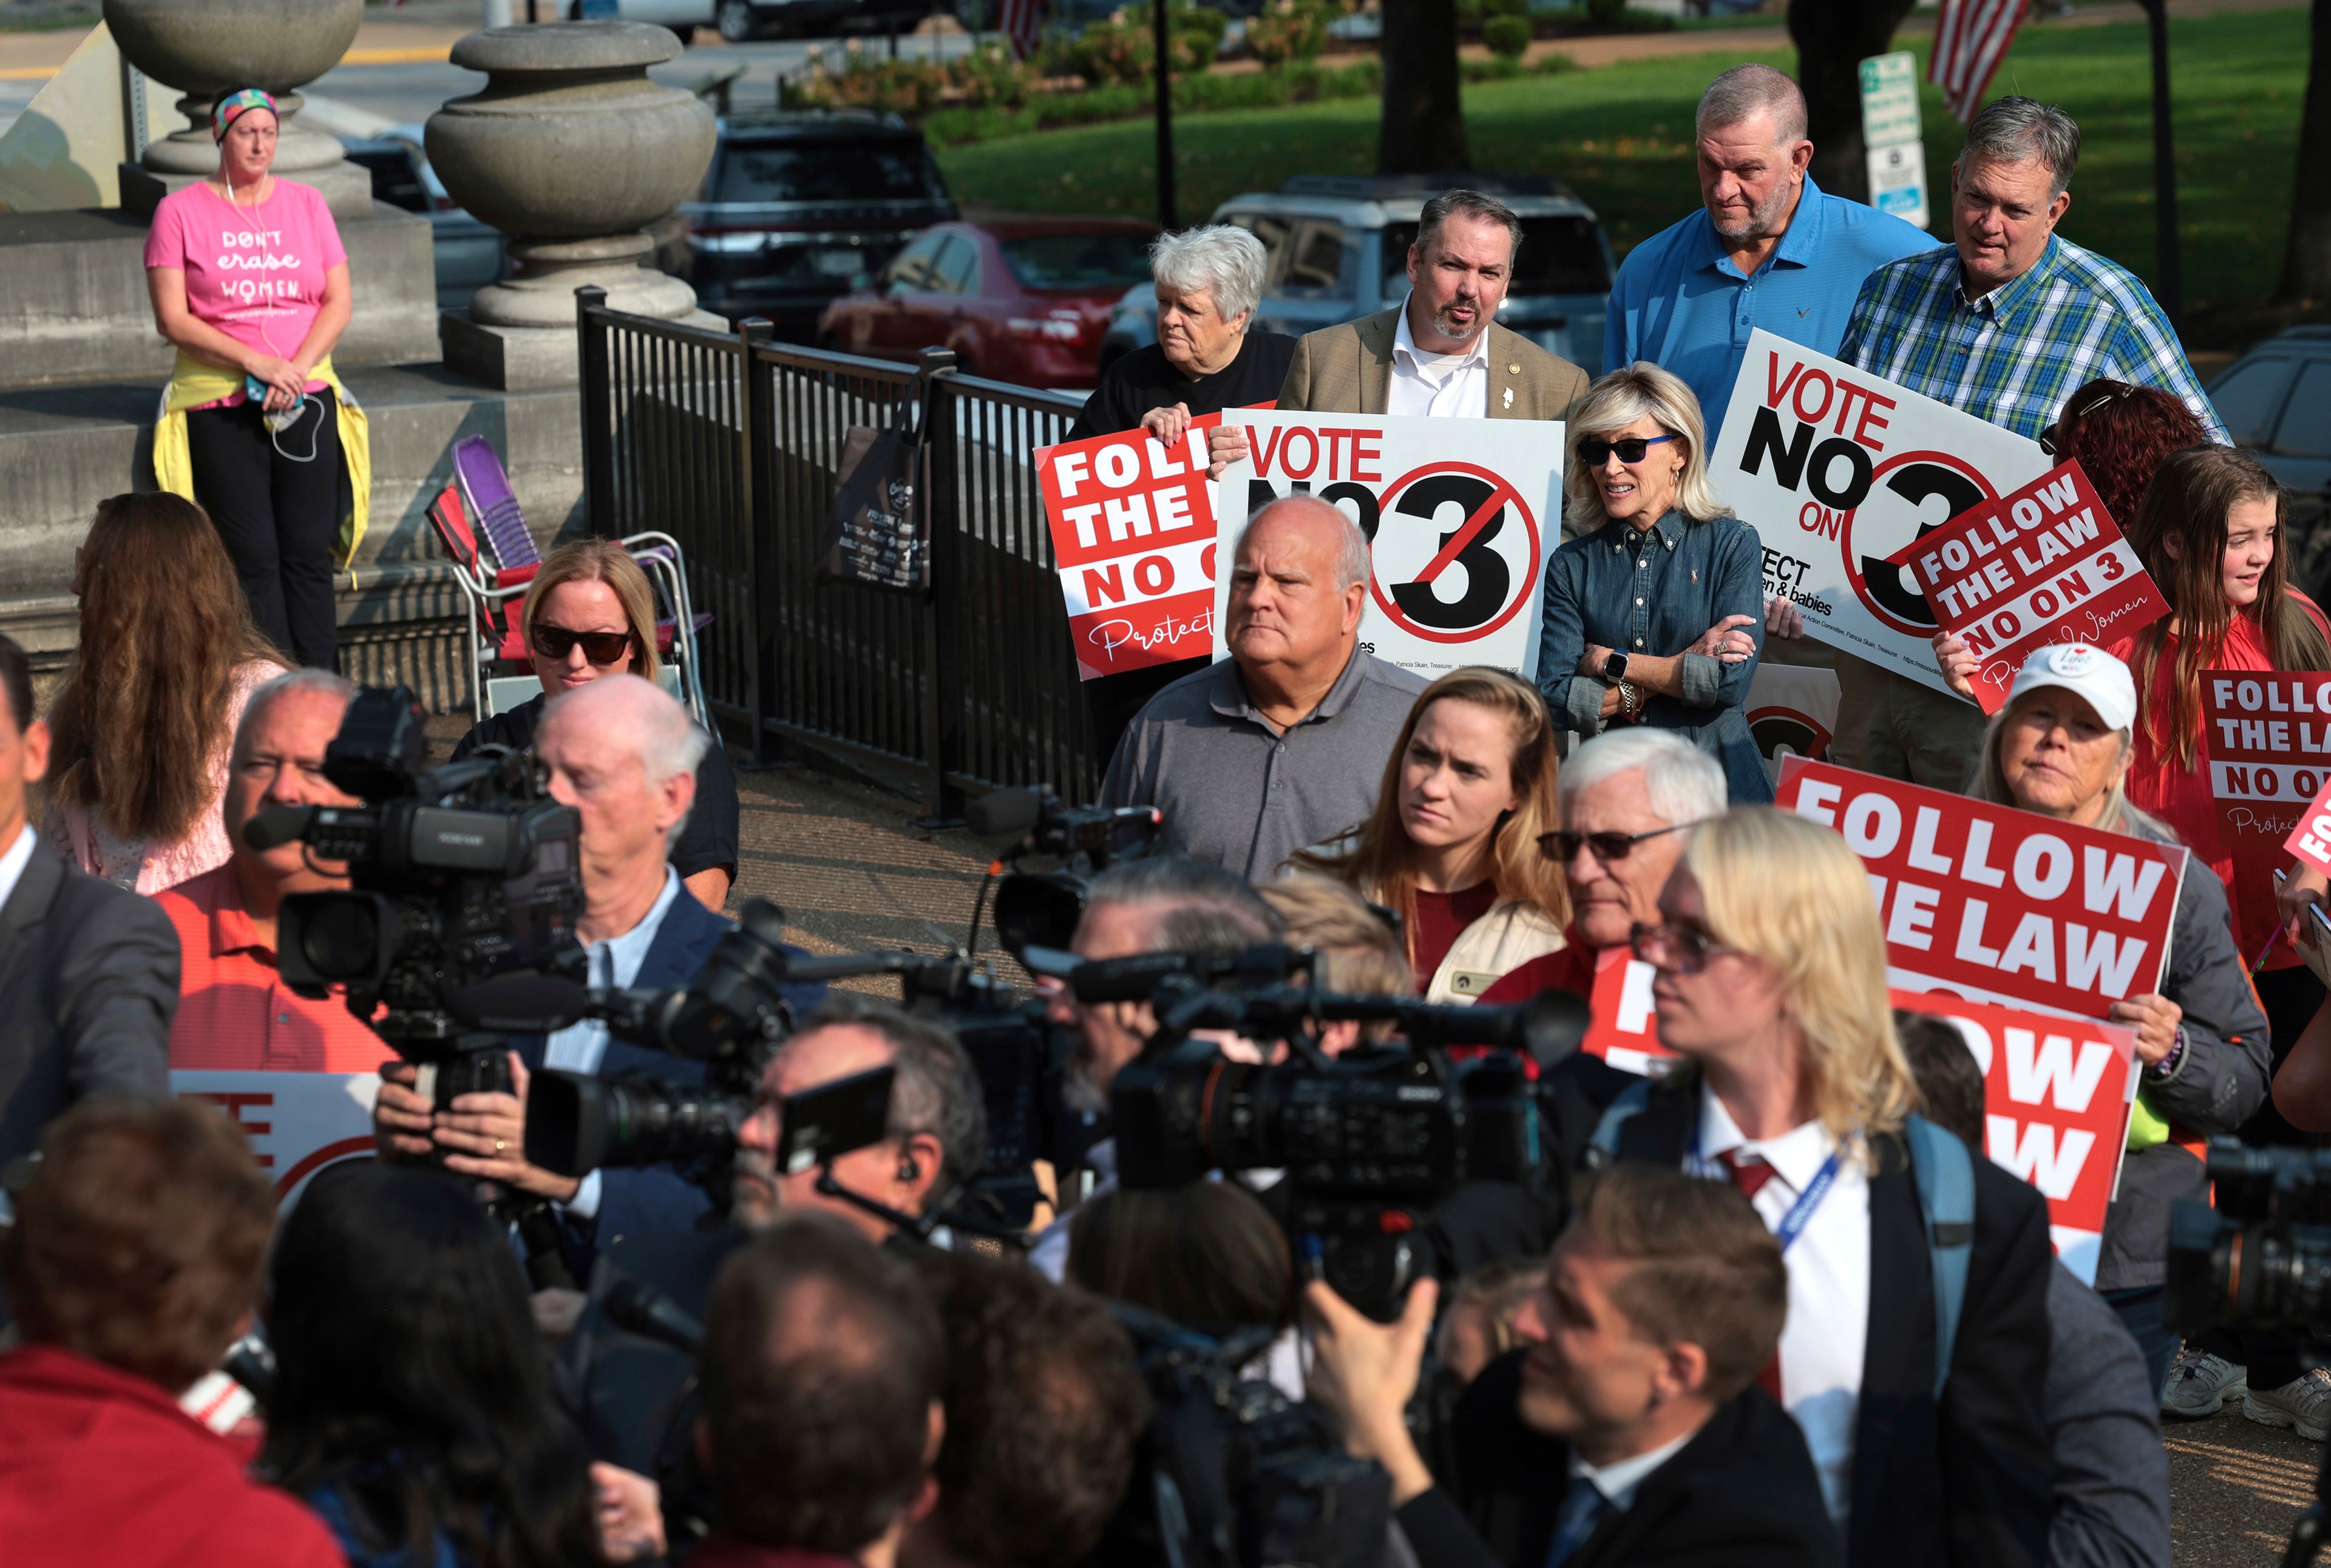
<point x="1339" y="251"/>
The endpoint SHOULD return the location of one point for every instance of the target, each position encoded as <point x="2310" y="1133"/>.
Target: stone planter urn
<point x="204" y="47"/>
<point x="573" y="152"/>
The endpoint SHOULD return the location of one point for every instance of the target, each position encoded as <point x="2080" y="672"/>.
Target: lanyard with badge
<point x="1801" y="1212"/>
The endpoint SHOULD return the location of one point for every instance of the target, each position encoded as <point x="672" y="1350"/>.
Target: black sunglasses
<point x="601" y="648"/>
<point x="1595" y="452"/>
<point x="1563" y="847"/>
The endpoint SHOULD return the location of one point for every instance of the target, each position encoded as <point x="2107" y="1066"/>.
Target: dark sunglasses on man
<point x="1563" y="847"/>
<point x="601" y="648"/>
<point x="1595" y="452"/>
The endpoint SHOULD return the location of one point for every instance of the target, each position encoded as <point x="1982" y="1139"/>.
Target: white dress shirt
<point x="1619" y="1480"/>
<point x="578" y="1046"/>
<point x="1440" y="385"/>
<point x="1827" y="1330"/>
<point x="13" y="864"/>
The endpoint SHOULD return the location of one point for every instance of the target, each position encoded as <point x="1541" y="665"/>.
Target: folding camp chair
<point x="494" y="597"/>
<point x="505" y="557"/>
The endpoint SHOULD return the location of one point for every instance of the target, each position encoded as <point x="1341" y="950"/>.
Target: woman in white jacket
<point x="1452" y="847"/>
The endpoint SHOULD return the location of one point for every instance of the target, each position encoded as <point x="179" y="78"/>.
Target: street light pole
<point x="1165" y="116"/>
<point x="2169" y="284"/>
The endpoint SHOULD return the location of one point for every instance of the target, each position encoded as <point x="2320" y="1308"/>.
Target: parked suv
<point x="1339" y="251"/>
<point x="2275" y="401"/>
<point x="796" y="205"/>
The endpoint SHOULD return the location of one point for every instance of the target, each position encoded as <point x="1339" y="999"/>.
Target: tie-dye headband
<point x="230" y="108"/>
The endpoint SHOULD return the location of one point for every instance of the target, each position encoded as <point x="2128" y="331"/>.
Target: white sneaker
<point x="2304" y="1404"/>
<point x="2200" y="1384"/>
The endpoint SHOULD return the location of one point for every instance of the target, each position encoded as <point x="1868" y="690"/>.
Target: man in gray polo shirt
<point x="1282" y="744"/>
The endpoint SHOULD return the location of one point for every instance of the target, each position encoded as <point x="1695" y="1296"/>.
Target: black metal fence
<point x="731" y="444"/>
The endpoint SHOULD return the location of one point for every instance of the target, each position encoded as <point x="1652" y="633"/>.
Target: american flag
<point x="1971" y="38"/>
<point x="1023" y="22"/>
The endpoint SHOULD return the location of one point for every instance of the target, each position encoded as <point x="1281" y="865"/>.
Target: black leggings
<point x="278" y="517"/>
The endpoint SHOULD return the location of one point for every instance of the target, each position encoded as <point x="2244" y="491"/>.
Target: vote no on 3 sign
<point x="1460" y="516"/>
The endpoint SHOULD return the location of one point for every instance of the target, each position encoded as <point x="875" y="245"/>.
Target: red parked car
<point x="1019" y="300"/>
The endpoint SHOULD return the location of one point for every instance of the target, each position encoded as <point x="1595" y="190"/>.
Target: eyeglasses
<point x="601" y="648"/>
<point x="1677" y="949"/>
<point x="1606" y="847"/>
<point x="1595" y="452"/>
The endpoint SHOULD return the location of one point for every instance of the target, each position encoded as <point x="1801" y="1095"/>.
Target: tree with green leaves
<point x="2307" y="258"/>
<point x="1423" y="124"/>
<point x="1833" y="37"/>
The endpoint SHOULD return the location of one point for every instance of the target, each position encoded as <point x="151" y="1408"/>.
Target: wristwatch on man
<point x="1614" y="667"/>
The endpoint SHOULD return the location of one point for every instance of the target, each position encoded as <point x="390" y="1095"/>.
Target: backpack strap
<point x="1943" y="1173"/>
<point x="1604" y="1148"/>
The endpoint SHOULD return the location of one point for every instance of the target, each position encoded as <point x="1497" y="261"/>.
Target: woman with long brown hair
<point x="167" y="658"/>
<point x="1452" y="844"/>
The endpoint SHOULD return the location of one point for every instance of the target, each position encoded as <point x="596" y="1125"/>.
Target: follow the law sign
<point x="1460" y="515"/>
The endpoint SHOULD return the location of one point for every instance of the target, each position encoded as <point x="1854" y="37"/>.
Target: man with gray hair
<point x="1282" y="744"/>
<point x="235" y="1013"/>
<point x="1440" y="352"/>
<point x="2006" y="325"/>
<point x="624" y="755"/>
<point x="1629" y="800"/>
<point x="1768" y="248"/>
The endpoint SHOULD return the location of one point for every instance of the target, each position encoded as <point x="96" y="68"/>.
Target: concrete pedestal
<point x="346" y="187"/>
<point x="524" y="358"/>
<point x="73" y="304"/>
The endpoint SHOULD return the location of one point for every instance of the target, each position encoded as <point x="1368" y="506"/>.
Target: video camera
<point x="465" y="885"/>
<point x="2261" y="1259"/>
<point x="1369" y="1142"/>
<point x="1041" y="909"/>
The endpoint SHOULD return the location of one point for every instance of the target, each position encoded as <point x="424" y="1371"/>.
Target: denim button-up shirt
<point x="1653" y="592"/>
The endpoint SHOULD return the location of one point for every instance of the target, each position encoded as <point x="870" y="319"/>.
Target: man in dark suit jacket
<point x="1630" y="1431"/>
<point x="1968" y="1480"/>
<point x="89" y="972"/>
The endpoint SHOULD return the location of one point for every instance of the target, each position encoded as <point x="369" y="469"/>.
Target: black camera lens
<point x="343" y="939"/>
<point x="575" y="1124"/>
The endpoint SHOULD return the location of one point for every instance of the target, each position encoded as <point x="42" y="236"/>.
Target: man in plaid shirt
<point x="2006" y="325"/>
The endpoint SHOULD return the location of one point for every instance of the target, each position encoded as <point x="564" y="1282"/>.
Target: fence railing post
<point x="939" y="499"/>
<point x="598" y="413"/>
<point x="755" y="443"/>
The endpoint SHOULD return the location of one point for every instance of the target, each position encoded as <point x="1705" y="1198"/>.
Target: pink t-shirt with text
<point x="254" y="273"/>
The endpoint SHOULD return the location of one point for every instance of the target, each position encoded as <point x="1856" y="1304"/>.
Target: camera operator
<point x="134" y="1262"/>
<point x="1163" y="904"/>
<point x="629" y="1390"/>
<point x="1661" y="1300"/>
<point x="235" y="1013"/>
<point x="624" y="755"/>
<point x="1044" y="1406"/>
<point x="823" y="1363"/>
<point x="2104" y="1414"/>
<point x="90" y="978"/>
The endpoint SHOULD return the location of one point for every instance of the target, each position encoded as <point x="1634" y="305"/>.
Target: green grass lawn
<point x="1622" y="135"/>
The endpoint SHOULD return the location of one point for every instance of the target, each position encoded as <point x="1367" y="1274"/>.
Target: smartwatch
<point x="1614" y="667"/>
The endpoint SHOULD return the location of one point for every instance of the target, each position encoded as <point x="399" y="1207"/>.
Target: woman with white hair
<point x="1771" y="986"/>
<point x="2063" y="746"/>
<point x="1655" y="605"/>
<point x="1206" y="357"/>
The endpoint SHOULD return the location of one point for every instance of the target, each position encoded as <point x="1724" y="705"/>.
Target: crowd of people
<point x="1772" y="1306"/>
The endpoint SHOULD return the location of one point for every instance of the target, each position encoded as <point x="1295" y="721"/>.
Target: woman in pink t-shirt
<point x="249" y="281"/>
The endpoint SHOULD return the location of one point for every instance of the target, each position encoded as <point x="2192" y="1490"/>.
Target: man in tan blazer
<point x="1439" y="352"/>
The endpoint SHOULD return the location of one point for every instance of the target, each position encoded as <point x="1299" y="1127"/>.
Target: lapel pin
<point x="1509" y="397"/>
<point x="1513" y="370"/>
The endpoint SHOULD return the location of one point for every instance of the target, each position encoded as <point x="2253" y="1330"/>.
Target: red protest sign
<point x="2269" y="750"/>
<point x="2044" y="563"/>
<point x="1625" y="1030"/>
<point x="1133" y="532"/>
<point x="2310" y="841"/>
<point x="1996" y="904"/>
<point x="2056" y="1095"/>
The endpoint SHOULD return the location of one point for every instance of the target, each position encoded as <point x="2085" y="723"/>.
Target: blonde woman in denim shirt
<point x="1654" y="609"/>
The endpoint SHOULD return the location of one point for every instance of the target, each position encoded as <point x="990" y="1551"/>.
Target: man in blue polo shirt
<point x="1771" y="249"/>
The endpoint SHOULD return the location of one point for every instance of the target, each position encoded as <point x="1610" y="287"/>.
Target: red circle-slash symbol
<point x="1493" y="590"/>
